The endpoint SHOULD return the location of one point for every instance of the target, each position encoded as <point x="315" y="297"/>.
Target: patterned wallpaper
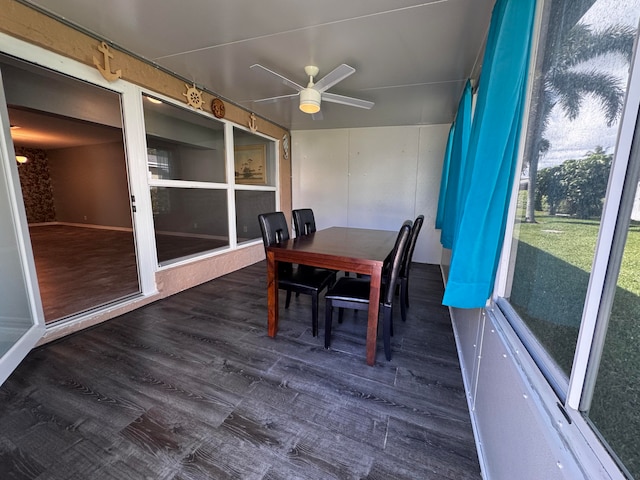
<point x="36" y="186"/>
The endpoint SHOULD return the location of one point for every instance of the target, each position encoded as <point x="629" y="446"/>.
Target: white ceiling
<point x="411" y="57"/>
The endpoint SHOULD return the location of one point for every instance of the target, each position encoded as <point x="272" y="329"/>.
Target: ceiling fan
<point x="312" y="95"/>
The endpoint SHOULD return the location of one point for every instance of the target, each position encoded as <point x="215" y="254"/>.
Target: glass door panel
<point x="21" y="323"/>
<point x="75" y="188"/>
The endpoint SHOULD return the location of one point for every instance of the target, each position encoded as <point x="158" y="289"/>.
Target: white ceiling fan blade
<point x="352" y="102"/>
<point x="336" y="75"/>
<point x="317" y="115"/>
<point x="282" y="79"/>
<point x="274" y="99"/>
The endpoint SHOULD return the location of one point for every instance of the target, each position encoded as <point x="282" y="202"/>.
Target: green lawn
<point x="573" y="241"/>
<point x="554" y="258"/>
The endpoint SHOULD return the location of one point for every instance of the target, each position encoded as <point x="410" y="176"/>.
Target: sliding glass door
<point x="21" y="322"/>
<point x="69" y="144"/>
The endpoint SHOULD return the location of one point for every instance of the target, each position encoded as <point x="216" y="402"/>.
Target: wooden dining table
<point x="357" y="250"/>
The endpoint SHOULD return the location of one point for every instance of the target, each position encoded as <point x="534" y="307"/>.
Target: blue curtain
<point x="444" y="179"/>
<point x="491" y="157"/>
<point x="453" y="171"/>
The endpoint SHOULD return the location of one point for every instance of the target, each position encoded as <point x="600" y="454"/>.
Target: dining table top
<point x="349" y="243"/>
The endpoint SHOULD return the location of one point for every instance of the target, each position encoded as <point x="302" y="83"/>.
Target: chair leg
<point x="387" y="328"/>
<point x="328" y="318"/>
<point x="340" y="314"/>
<point x="288" y="301"/>
<point x="405" y="286"/>
<point x="314" y="314"/>
<point x="403" y="304"/>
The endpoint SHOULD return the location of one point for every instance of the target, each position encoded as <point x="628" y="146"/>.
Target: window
<point x="582" y="69"/>
<point x="188" y="221"/>
<point x="194" y="183"/>
<point x="186" y="162"/>
<point x="182" y="145"/>
<point x="255" y="179"/>
<point x="158" y="161"/>
<point x="611" y="402"/>
<point x="250" y="204"/>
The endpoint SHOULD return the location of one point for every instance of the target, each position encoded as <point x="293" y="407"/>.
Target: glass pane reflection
<point x="616" y="399"/>
<point x="188" y="221"/>
<point x="249" y="204"/>
<point x="583" y="62"/>
<point x="183" y="145"/>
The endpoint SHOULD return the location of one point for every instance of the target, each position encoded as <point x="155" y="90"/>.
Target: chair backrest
<point x="303" y="221"/>
<point x="413" y="239"/>
<point x="395" y="261"/>
<point x="274" y="228"/>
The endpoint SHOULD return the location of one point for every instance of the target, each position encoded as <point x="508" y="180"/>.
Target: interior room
<point x="146" y="325"/>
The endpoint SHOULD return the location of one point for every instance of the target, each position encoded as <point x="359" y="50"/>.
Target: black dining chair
<point x="353" y="293"/>
<point x="402" y="285"/>
<point x="403" y="277"/>
<point x="304" y="221"/>
<point x="300" y="279"/>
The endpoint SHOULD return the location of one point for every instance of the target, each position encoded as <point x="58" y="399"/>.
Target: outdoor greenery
<point x="576" y="187"/>
<point x="554" y="262"/>
<point x="564" y="84"/>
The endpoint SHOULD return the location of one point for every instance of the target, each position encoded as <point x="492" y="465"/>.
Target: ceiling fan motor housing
<point x="310" y="100"/>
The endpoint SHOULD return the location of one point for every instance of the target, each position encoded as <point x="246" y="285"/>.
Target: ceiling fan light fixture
<point x="309" y="100"/>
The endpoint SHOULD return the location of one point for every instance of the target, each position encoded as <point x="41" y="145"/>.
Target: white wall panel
<point x="433" y="143"/>
<point x="319" y="168"/>
<point x="510" y="428"/>
<point x="520" y="431"/>
<point x="383" y="166"/>
<point x="468" y="332"/>
<point x="371" y="178"/>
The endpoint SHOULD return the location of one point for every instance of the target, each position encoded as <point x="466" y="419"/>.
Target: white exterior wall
<point x="372" y="178"/>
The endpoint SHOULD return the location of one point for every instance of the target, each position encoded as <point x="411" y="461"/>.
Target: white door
<point x="21" y="315"/>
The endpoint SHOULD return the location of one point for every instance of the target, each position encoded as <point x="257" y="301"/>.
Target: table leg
<point x="374" y="305"/>
<point x="272" y="294"/>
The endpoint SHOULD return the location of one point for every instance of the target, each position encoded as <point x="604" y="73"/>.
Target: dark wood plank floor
<point x="191" y="387"/>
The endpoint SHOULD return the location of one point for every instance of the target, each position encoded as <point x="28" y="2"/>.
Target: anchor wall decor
<point x="106" y="70"/>
<point x="253" y="126"/>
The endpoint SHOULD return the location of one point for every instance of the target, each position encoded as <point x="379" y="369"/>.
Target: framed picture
<point x="251" y="164"/>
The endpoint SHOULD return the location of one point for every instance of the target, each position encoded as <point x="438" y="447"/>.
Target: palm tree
<point x="561" y="83"/>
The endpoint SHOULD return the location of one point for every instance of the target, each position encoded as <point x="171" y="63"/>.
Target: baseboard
<point x="82" y="225"/>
